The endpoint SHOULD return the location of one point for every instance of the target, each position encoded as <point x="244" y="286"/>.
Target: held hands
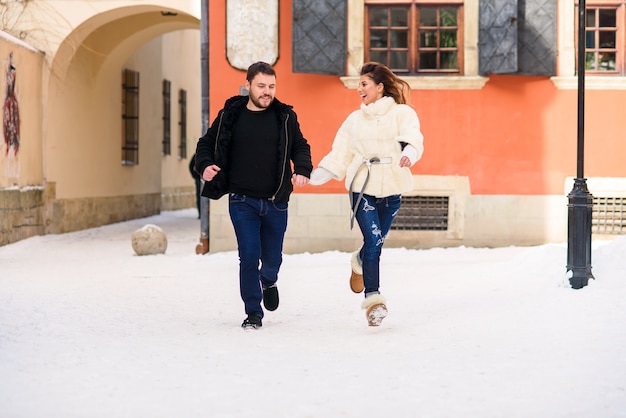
<point x="320" y="176"/>
<point x="210" y="172"/>
<point x="299" y="180"/>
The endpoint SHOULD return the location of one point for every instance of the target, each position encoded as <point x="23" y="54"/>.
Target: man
<point x="248" y="152"/>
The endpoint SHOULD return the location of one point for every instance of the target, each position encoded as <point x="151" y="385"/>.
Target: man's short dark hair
<point x="259" y="67"/>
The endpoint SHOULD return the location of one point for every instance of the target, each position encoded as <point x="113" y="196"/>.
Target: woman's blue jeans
<point x="260" y="226"/>
<point x="374" y="216"/>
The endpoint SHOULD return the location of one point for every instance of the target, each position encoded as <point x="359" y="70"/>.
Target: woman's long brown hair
<point x="394" y="86"/>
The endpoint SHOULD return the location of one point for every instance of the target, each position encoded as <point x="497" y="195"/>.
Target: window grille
<point x="517" y="37"/>
<point x="422" y="213"/>
<point x="167" y="130"/>
<point x="182" y="101"/>
<point x="319" y="41"/>
<point x="130" y="117"/>
<point x="608" y="215"/>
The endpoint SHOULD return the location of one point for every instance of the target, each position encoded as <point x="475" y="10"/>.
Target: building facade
<point x="108" y="97"/>
<point x="494" y="85"/>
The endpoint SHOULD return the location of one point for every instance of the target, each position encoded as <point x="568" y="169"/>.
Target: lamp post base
<point x="579" y="234"/>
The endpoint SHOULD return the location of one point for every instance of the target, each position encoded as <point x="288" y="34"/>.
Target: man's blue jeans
<point x="260" y="226"/>
<point x="374" y="216"/>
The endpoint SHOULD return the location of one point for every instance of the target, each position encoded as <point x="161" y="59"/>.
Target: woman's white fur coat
<point x="375" y="130"/>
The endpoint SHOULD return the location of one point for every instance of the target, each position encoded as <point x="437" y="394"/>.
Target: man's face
<point x="262" y="90"/>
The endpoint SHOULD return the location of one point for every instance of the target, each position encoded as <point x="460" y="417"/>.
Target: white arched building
<point x="109" y="101"/>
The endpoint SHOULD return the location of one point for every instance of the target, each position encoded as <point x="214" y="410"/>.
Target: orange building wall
<point x="517" y="135"/>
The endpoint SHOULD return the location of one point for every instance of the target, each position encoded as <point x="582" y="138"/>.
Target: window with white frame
<point x="415" y="37"/>
<point x="605" y="45"/>
<point x="604" y="37"/>
<point x="464" y="76"/>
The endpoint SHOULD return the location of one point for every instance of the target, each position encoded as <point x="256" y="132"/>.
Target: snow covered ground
<point x="89" y="329"/>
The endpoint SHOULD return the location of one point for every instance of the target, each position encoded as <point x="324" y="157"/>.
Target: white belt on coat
<point x="367" y="162"/>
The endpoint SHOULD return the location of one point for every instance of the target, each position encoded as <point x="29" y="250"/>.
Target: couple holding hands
<point x="249" y="151"/>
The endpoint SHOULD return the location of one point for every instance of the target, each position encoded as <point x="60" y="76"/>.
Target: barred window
<point x="130" y="117"/>
<point x="422" y="213"/>
<point x="167" y="129"/>
<point x="608" y="215"/>
<point x="182" y="101"/>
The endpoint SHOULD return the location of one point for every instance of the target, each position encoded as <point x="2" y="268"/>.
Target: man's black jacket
<point x="214" y="148"/>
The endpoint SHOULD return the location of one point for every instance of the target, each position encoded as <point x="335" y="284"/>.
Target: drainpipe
<point x="204" y="62"/>
<point x="205" y="207"/>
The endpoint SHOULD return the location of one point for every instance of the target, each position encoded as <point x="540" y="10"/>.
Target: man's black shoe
<point x="270" y="297"/>
<point x="252" y="322"/>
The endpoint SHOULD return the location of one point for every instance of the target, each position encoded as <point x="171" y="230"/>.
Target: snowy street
<point x="89" y="329"/>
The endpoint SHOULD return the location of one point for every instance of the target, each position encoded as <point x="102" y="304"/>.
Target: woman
<point x="374" y="149"/>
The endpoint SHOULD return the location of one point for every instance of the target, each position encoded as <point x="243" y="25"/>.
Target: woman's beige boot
<point x="375" y="309"/>
<point x="203" y="247"/>
<point x="356" y="278"/>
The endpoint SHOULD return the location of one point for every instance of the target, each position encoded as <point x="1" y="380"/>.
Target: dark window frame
<point x="130" y="117"/>
<point x="182" y="101"/>
<point x="167" y="123"/>
<point x="414" y="48"/>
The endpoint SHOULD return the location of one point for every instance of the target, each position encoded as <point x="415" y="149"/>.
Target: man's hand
<point x="299" y="180"/>
<point x="210" y="172"/>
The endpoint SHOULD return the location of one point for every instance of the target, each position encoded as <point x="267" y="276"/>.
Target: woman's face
<point x="369" y="90"/>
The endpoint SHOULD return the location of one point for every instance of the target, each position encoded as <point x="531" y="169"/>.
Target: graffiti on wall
<point x="11" y="123"/>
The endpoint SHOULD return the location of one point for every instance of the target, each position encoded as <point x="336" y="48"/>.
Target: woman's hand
<point x="408" y="156"/>
<point x="405" y="161"/>
<point x="320" y="176"/>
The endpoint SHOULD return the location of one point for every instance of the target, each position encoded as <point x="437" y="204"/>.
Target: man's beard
<point x="260" y="105"/>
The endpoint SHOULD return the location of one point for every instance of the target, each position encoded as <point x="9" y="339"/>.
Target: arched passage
<point x="83" y="123"/>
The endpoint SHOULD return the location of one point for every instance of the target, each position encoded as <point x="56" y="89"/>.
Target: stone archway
<point x="82" y="116"/>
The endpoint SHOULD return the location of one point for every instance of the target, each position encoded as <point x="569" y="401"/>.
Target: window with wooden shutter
<point x="536" y="34"/>
<point x="415" y="37"/>
<point x="319" y="36"/>
<point x="497" y="36"/>
<point x="517" y="37"/>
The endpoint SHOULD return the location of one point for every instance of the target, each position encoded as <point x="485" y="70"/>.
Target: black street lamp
<point x="580" y="203"/>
